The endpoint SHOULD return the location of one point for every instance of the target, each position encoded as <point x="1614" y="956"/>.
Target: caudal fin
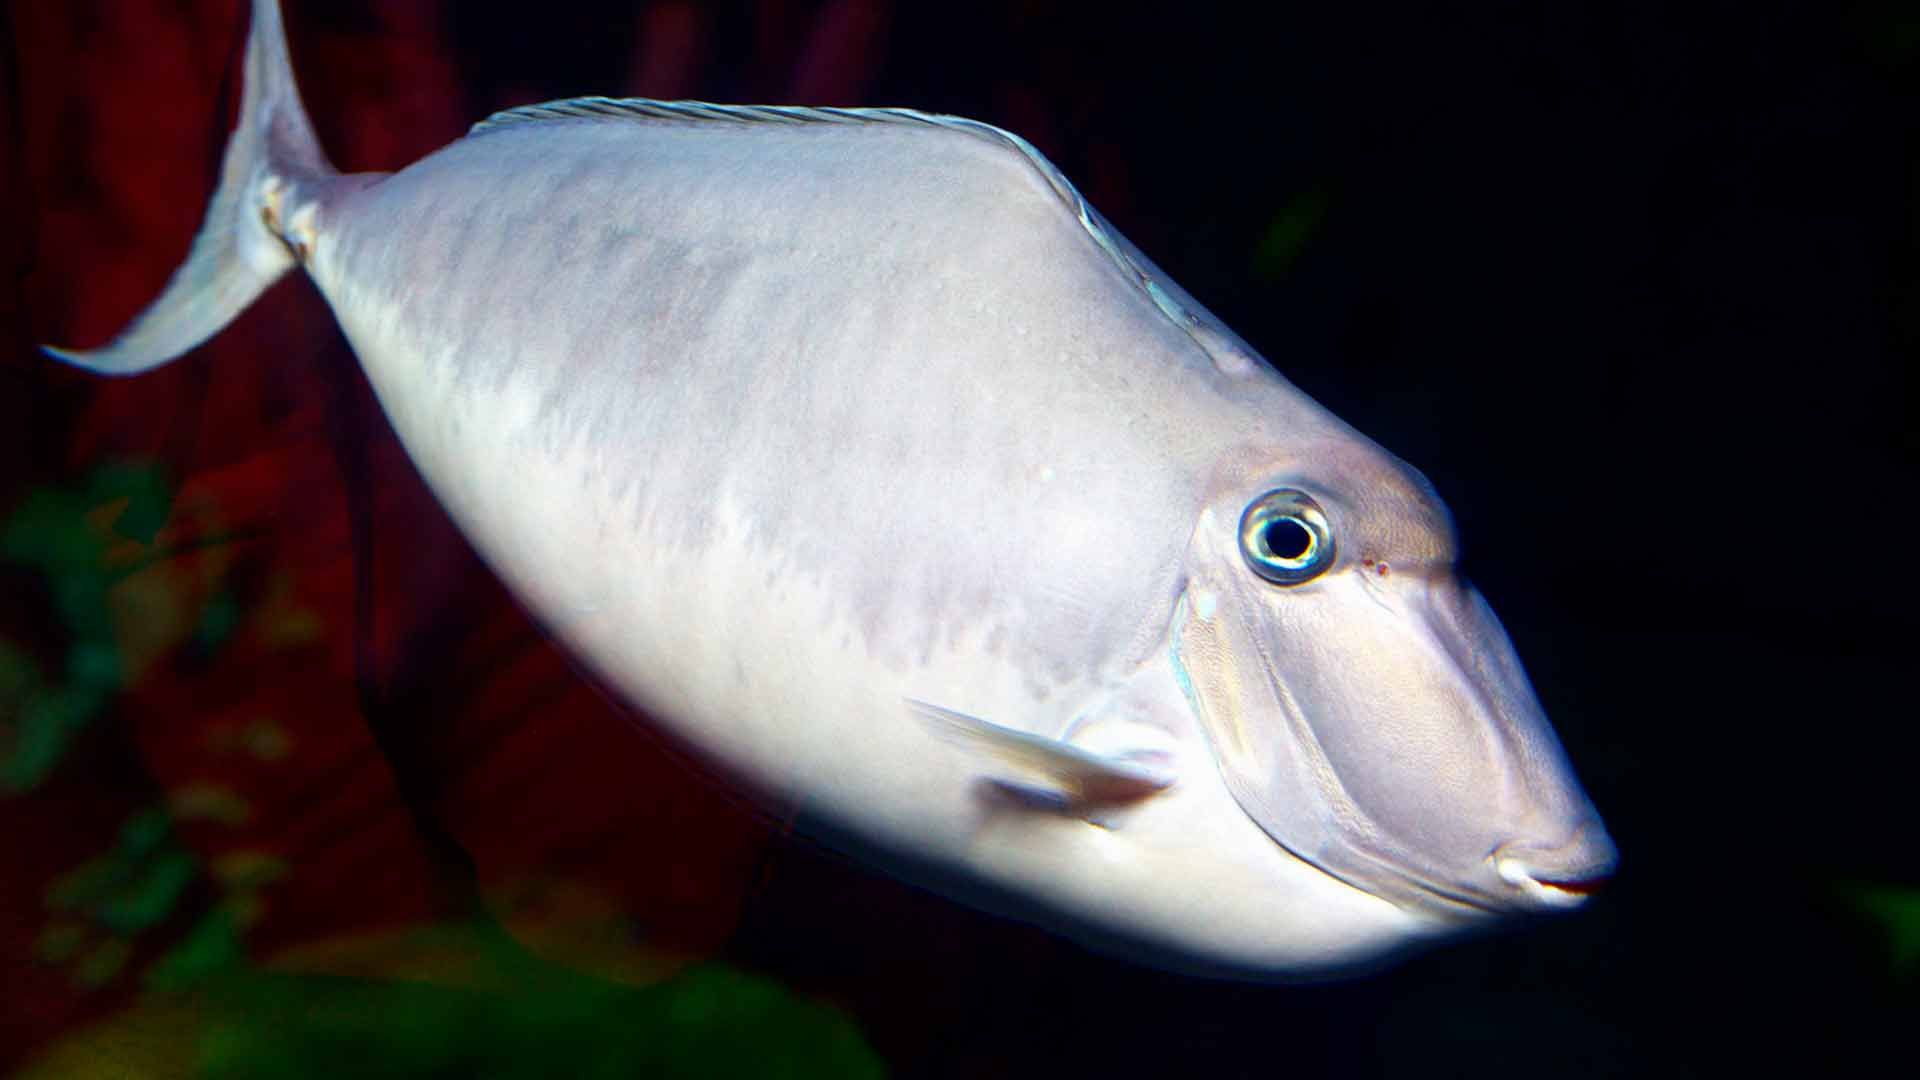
<point x="240" y="250"/>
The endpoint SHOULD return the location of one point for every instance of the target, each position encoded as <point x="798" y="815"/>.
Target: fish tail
<point x="273" y="161"/>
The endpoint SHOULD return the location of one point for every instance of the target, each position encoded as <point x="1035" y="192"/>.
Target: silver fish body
<point x="854" y="449"/>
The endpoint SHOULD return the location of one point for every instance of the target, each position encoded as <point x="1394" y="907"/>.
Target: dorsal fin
<point x="1226" y="352"/>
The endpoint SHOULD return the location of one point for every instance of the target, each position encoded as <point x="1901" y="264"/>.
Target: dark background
<point x="1635" y="284"/>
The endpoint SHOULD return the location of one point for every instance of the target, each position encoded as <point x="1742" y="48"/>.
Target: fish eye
<point x="1285" y="537"/>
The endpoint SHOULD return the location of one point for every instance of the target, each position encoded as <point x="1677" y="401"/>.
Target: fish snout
<point x="1559" y="875"/>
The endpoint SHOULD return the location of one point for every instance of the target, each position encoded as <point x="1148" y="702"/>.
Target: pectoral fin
<point x="1049" y="771"/>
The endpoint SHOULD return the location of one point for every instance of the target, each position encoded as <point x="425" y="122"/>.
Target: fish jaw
<point x="1182" y="877"/>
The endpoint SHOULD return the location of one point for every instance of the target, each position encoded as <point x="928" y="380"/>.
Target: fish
<point x="859" y="454"/>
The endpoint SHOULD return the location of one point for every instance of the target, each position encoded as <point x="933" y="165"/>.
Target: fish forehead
<point x="1388" y="511"/>
<point x="892" y="352"/>
<point x="1381" y="509"/>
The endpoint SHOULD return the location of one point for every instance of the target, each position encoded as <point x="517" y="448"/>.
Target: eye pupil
<point x="1286" y="538"/>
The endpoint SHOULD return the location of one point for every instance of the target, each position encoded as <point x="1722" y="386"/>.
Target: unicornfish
<point x="856" y="451"/>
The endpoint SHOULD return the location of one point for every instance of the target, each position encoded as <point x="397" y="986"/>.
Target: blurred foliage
<point x="100" y="909"/>
<point x="208" y="802"/>
<point x="1895" y="910"/>
<point x="212" y="1011"/>
<point x="133" y="887"/>
<point x="97" y="910"/>
<point x="1287" y="234"/>
<point x="212" y="947"/>
<point x="41" y="715"/>
<point x="496" y="1011"/>
<point x="82" y="542"/>
<point x="79" y="541"/>
<point x="707" y="1022"/>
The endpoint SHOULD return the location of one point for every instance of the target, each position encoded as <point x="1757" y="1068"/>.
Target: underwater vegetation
<point x="77" y="543"/>
<point x="151" y="912"/>
<point x="1895" y="912"/>
<point x="465" y="1001"/>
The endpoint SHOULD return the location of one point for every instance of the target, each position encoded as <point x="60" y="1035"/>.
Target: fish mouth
<point x="1549" y="892"/>
<point x="1564" y="876"/>
<point x="1525" y="890"/>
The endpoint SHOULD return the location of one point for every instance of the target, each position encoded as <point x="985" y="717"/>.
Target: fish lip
<point x="1533" y="874"/>
<point x="1547" y="892"/>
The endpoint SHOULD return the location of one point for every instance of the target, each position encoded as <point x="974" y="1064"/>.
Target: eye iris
<point x="1285" y="538"/>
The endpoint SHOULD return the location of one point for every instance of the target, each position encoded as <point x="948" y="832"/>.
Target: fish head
<point x="1364" y="705"/>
